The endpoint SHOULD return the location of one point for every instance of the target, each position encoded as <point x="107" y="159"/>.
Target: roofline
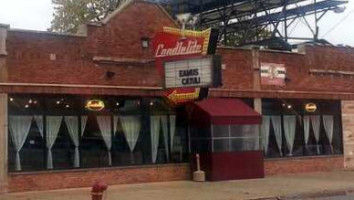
<point x="4" y="25"/>
<point x="46" y="32"/>
<point x="260" y="50"/>
<point x="127" y="3"/>
<point x="116" y="11"/>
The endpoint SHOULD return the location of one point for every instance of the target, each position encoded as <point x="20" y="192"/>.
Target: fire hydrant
<point x="98" y="189"/>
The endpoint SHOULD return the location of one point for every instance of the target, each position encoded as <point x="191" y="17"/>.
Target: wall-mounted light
<point x="109" y="74"/>
<point x="145" y="42"/>
<point x="11" y="99"/>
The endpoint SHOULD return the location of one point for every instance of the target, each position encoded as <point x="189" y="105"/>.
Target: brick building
<point x="47" y="79"/>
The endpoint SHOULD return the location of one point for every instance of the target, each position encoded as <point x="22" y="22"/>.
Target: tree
<point x="69" y="14"/>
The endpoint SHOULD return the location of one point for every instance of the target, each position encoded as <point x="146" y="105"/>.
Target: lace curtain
<point x="315" y="122"/>
<point x="306" y="121"/>
<point x="39" y="122"/>
<point x="72" y="123"/>
<point x="155" y="132"/>
<point x="53" y="125"/>
<point x="328" y="126"/>
<point x="265" y="129"/>
<point x="104" y="123"/>
<point x="276" y="122"/>
<point x="131" y="127"/>
<point x="289" y="122"/>
<point x="19" y="129"/>
<point x="83" y="124"/>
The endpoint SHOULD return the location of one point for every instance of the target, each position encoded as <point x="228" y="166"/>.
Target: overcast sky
<point x="37" y="14"/>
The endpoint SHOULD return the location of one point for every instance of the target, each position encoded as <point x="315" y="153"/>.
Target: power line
<point x="335" y="26"/>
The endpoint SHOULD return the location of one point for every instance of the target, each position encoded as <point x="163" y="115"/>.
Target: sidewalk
<point x="298" y="185"/>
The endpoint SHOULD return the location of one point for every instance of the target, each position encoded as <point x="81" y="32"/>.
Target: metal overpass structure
<point x="267" y="23"/>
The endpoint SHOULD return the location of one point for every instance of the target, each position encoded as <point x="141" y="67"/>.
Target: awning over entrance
<point x="224" y="111"/>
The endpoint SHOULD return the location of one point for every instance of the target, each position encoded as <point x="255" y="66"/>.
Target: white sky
<point x="37" y="14"/>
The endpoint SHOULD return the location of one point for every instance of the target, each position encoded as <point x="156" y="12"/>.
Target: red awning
<point x="224" y="111"/>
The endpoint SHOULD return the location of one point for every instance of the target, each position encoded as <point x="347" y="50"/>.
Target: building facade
<point x="51" y="138"/>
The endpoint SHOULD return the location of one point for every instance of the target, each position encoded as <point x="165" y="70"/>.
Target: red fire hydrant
<point x="98" y="189"/>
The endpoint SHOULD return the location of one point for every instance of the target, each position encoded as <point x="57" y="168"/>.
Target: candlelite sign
<point x="191" y="47"/>
<point x="182" y="62"/>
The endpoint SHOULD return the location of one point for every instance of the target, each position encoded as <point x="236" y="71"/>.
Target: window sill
<point x="98" y="169"/>
<point x="302" y="157"/>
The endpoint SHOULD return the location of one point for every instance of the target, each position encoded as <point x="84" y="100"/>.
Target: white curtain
<point x="328" y="126"/>
<point x="265" y="128"/>
<point x="19" y="129"/>
<point x="115" y="124"/>
<point x="131" y="127"/>
<point x="155" y="132"/>
<point x="276" y="122"/>
<point x="53" y="125"/>
<point x="39" y="121"/>
<point x="72" y="123"/>
<point x="104" y="123"/>
<point x="289" y="131"/>
<point x="83" y="124"/>
<point x="306" y="129"/>
<point x="172" y="130"/>
<point x="316" y="122"/>
<point x="165" y="134"/>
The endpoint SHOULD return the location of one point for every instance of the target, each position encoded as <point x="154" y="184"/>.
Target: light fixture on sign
<point x="145" y="42"/>
<point x="310" y="107"/>
<point x="95" y="105"/>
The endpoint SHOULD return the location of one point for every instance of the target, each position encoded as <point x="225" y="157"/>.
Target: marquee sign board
<point x="194" y="72"/>
<point x="273" y="74"/>
<point x="181" y="61"/>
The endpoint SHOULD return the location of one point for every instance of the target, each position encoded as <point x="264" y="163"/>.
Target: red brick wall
<point x="49" y="180"/>
<point x="238" y="68"/>
<point x="29" y="52"/>
<point x="301" y="165"/>
<point x="237" y="77"/>
<point x="28" y="60"/>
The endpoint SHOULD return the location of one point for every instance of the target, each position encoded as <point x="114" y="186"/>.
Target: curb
<point x="325" y="193"/>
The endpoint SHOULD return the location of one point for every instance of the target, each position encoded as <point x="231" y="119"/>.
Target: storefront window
<point x="65" y="132"/>
<point x="301" y="128"/>
<point x="225" y="138"/>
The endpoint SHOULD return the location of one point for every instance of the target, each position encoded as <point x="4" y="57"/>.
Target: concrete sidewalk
<point x="299" y="185"/>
